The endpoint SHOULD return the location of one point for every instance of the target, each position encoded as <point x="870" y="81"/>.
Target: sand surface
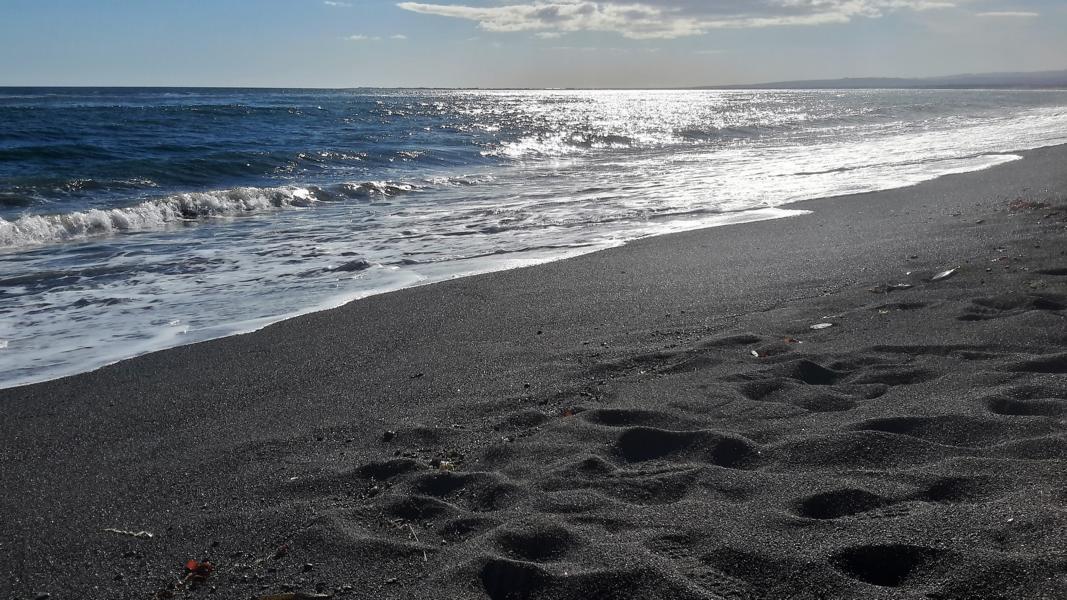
<point x="653" y="421"/>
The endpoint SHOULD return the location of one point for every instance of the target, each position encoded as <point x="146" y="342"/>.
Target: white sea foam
<point x="149" y="215"/>
<point x="161" y="213"/>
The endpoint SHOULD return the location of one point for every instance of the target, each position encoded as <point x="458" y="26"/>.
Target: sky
<point x="518" y="43"/>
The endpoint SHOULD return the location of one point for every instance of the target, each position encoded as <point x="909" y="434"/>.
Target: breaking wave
<point x="160" y="213"/>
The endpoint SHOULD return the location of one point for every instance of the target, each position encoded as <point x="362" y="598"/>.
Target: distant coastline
<point x="1014" y="80"/>
<point x="1025" y="80"/>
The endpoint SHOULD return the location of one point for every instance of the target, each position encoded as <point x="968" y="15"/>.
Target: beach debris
<point x="442" y="465"/>
<point x="198" y="571"/>
<point x="890" y="287"/>
<point x="754" y="353"/>
<point x="818" y="326"/>
<point x="790" y="340"/>
<point x="295" y="596"/>
<point x="415" y="536"/>
<point x="280" y="551"/>
<point x="945" y="274"/>
<point x="1021" y="204"/>
<point x="141" y="535"/>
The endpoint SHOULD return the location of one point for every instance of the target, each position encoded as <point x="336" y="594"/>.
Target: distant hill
<point x="1035" y="79"/>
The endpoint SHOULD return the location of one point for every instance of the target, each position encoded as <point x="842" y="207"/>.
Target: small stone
<point x="354" y="265"/>
<point x="391" y="580"/>
<point x="389" y="436"/>
<point x="308" y="567"/>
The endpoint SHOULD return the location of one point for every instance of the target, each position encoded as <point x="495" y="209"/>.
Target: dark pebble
<point x="354" y="265"/>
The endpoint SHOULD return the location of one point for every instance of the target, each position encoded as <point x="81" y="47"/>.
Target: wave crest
<point x="151" y="215"/>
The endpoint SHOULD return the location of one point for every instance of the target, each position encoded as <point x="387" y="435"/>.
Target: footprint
<point x="813" y="373"/>
<point x="677" y="549"/>
<point x="640" y="444"/>
<point x="1050" y="363"/>
<point x="788" y="391"/>
<point x="731" y="341"/>
<point x="536" y="542"/>
<point x="478" y="492"/>
<point x="957" y="490"/>
<point x="1047" y="407"/>
<point x="525" y="419"/>
<point x="645" y="488"/>
<point x="1051" y="447"/>
<point x="1005" y="305"/>
<point x="385" y="470"/>
<point x="819" y="388"/>
<point x="504" y="579"/>
<point x="418" y="508"/>
<point x="464" y="528"/>
<point x="839" y="503"/>
<point x="858" y="449"/>
<point x="513" y="580"/>
<point x="890" y="565"/>
<point x="626" y="417"/>
<point x="955" y="430"/>
<point x="893" y="375"/>
<point x="1056" y="272"/>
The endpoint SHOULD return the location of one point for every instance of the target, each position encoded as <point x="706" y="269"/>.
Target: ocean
<point x="133" y="220"/>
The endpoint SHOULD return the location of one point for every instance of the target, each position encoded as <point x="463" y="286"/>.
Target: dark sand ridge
<point x="612" y="432"/>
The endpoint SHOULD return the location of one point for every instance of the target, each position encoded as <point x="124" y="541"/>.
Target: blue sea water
<point x="136" y="219"/>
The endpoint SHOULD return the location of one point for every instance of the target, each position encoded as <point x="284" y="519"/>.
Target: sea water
<point x="137" y="219"/>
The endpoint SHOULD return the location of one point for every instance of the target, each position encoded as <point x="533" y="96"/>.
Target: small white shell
<point x="944" y="274"/>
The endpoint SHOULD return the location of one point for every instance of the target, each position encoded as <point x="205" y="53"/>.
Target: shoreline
<point x="153" y="344"/>
<point x="640" y="422"/>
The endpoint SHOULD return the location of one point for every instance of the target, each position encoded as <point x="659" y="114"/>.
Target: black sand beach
<point x="654" y="421"/>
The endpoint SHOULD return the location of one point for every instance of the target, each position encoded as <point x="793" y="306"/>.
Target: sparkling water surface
<point x="137" y="219"/>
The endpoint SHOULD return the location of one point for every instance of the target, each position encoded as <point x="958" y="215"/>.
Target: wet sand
<point x="653" y="421"/>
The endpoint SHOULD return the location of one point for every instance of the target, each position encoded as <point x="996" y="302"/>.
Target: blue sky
<point x="527" y="43"/>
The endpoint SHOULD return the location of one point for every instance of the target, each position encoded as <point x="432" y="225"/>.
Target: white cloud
<point x="359" y="37"/>
<point x="1010" y="14"/>
<point x="651" y="19"/>
<point x="332" y="3"/>
<point x="548" y="35"/>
